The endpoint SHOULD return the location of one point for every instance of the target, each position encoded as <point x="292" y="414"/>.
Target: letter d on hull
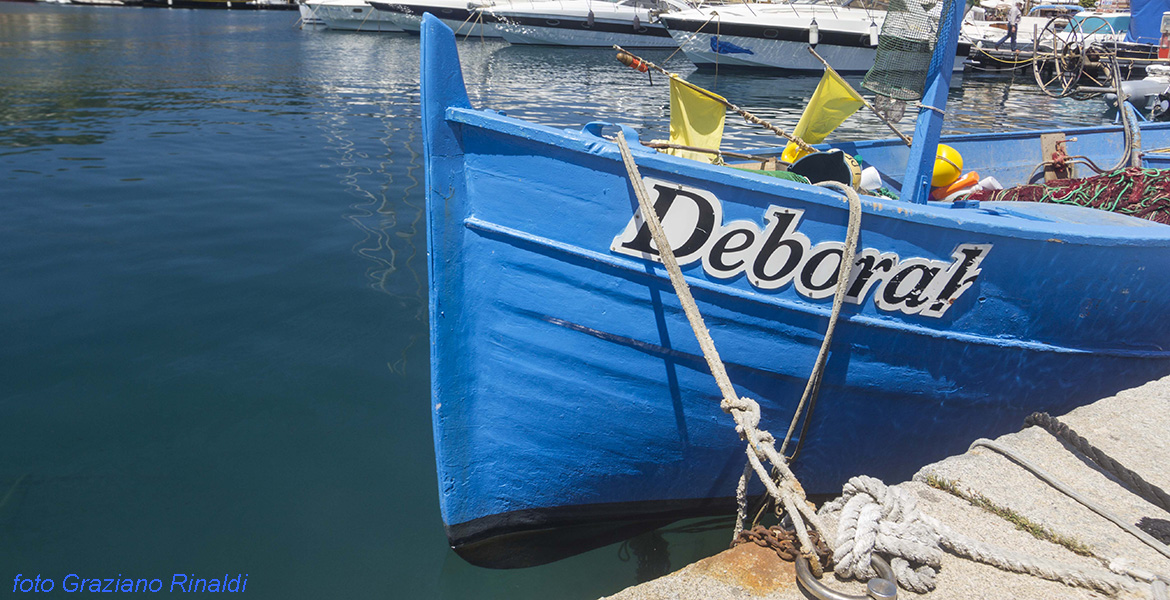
<point x="689" y="217"/>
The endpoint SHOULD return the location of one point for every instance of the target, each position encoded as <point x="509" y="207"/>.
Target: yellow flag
<point x="696" y="119"/>
<point x="832" y="102"/>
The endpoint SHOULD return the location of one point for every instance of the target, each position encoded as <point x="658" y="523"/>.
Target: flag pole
<point x="747" y="116"/>
<point x="904" y="137"/>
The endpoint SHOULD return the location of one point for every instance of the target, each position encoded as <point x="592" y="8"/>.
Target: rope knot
<point x="879" y="518"/>
<point x="886" y="519"/>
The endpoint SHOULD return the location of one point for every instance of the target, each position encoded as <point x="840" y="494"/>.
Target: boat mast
<point x="920" y="167"/>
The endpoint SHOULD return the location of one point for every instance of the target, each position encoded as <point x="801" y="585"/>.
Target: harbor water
<point x="213" y="327"/>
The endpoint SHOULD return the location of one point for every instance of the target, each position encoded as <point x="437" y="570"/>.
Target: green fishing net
<point x="905" y="48"/>
<point x="1133" y="191"/>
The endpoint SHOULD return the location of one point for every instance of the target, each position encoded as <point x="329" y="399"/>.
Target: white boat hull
<point x="740" y="51"/>
<point x="456" y="14"/>
<point x="309" y="16"/>
<point x="776" y="37"/>
<point x="627" y="23"/>
<point x="412" y="23"/>
<point x="776" y="54"/>
<point x="351" y="18"/>
<point x="555" y="36"/>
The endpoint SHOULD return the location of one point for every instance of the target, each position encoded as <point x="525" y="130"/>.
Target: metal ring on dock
<point x="881" y="587"/>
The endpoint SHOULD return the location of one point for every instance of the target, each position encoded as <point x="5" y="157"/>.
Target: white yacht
<point x="309" y="15"/>
<point x="777" y="36"/>
<point x="349" y="15"/>
<point x="598" y="23"/>
<point x="459" y="15"/>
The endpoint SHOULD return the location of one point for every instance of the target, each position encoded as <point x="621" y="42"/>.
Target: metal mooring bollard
<point x="882" y="587"/>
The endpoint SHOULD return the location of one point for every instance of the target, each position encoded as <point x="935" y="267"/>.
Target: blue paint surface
<point x="564" y="374"/>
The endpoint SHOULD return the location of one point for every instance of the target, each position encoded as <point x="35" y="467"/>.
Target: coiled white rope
<point x="885" y="519"/>
<point x="784" y="488"/>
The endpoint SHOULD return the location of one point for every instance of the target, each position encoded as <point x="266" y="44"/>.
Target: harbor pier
<point x="986" y="496"/>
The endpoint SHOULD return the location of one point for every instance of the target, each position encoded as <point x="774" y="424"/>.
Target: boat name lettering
<point x="779" y="255"/>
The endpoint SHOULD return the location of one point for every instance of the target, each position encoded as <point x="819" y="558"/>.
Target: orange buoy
<point x="948" y="165"/>
<point x="959" y="184"/>
<point x="632" y="62"/>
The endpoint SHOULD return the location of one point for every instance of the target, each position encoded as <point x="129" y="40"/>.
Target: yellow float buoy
<point x="948" y="165"/>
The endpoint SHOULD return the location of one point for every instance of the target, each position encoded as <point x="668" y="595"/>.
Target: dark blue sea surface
<point x="213" y="329"/>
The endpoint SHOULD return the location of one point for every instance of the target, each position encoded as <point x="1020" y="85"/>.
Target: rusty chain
<point x="784" y="542"/>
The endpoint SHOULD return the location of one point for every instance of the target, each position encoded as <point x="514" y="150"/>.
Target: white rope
<point x="936" y="109"/>
<point x="784" y="488"/>
<point x="1122" y="566"/>
<point x="885" y="519"/>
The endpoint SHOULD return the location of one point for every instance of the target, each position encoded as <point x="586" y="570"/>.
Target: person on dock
<point x="1013" y="25"/>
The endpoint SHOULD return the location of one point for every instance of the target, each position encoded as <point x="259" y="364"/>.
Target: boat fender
<point x="948" y="166"/>
<point x="957" y="184"/>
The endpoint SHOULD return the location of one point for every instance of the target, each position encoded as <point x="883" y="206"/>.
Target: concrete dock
<point x="976" y="493"/>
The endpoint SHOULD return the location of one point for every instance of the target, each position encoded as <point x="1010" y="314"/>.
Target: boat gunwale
<point x="965" y="219"/>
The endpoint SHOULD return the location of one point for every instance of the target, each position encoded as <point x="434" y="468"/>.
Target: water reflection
<point x="367" y="113"/>
<point x="567" y="87"/>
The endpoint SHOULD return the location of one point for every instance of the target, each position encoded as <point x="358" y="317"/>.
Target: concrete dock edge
<point x="1133" y="427"/>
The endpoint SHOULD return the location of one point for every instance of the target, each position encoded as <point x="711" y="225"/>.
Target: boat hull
<point x="345" y="17"/>
<point x="568" y="388"/>
<point x="212" y="4"/>
<point x="309" y="16"/>
<point x="457" y="16"/>
<point x="564" y="31"/>
<point x="777" y="47"/>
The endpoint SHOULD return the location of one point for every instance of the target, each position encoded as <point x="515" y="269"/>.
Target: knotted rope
<point x="784" y="487"/>
<point x="885" y="519"/>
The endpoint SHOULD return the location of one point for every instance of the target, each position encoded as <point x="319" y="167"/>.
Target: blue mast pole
<point x="920" y="167"/>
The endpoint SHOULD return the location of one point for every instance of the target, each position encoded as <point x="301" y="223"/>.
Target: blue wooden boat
<point x="570" y="396"/>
